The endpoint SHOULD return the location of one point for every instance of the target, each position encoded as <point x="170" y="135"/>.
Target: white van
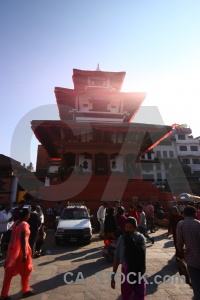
<point x="74" y="225"/>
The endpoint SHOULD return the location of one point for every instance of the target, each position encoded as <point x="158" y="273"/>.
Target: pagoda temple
<point x="93" y="152"/>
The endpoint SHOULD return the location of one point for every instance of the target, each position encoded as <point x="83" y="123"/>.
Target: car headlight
<point x="60" y="230"/>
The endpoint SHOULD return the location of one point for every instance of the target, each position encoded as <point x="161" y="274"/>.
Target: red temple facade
<point x="93" y="152"/>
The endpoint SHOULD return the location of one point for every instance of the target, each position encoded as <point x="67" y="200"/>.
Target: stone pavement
<point x="49" y="271"/>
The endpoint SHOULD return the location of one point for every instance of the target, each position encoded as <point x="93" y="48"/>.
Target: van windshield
<point x="74" y="214"/>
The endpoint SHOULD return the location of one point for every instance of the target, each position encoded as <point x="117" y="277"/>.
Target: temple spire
<point x="98" y="68"/>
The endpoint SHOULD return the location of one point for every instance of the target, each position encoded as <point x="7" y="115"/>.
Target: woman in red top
<point x="133" y="213"/>
<point x="121" y="219"/>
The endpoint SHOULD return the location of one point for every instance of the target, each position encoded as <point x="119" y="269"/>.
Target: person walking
<point x="133" y="213"/>
<point x="121" y="206"/>
<point x="181" y="207"/>
<point x="121" y="219"/>
<point x="40" y="213"/>
<point x="35" y="223"/>
<point x="18" y="260"/>
<point x="188" y="235"/>
<point x="174" y="219"/>
<point x="131" y="252"/>
<point x="101" y="214"/>
<point x="157" y="209"/>
<point x="116" y="206"/>
<point x="5" y="223"/>
<point x="142" y="226"/>
<point x="110" y="224"/>
<point x="149" y="212"/>
<point x="58" y="209"/>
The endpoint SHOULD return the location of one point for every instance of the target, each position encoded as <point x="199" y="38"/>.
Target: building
<point x="16" y="181"/>
<point x="188" y="148"/>
<point x="93" y="152"/>
<point x="180" y="147"/>
<point x="8" y="182"/>
<point x="157" y="163"/>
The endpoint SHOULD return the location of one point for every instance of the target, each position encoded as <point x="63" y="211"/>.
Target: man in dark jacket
<point x="188" y="243"/>
<point x="35" y="223"/>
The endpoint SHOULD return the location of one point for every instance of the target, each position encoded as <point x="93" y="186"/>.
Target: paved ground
<point x="49" y="270"/>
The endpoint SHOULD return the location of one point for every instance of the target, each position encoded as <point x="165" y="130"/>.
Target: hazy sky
<point x="156" y="42"/>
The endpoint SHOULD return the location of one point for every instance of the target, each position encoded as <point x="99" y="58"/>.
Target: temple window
<point x="120" y="138"/>
<point x="85" y="165"/>
<point x="98" y="82"/>
<point x="196" y="173"/>
<point x="107" y="136"/>
<point x="101" y="163"/>
<point x="114" y="164"/>
<point x="97" y="136"/>
<point x="84" y="137"/>
<point x="69" y="162"/>
<point x="158" y="153"/>
<point x="85" y="161"/>
<point x="164" y="153"/>
<point x="114" y="137"/>
<point x="193" y="148"/>
<point x="99" y="104"/>
<point x="181" y="136"/>
<point x="148" y="155"/>
<point x="183" y="148"/>
<point x="196" y="161"/>
<point x="89" y="136"/>
<point x="186" y="160"/>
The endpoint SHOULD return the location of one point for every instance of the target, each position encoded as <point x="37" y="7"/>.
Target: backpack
<point x="135" y="255"/>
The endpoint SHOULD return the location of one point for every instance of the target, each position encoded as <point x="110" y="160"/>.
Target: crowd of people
<point x="112" y="219"/>
<point x="131" y="228"/>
